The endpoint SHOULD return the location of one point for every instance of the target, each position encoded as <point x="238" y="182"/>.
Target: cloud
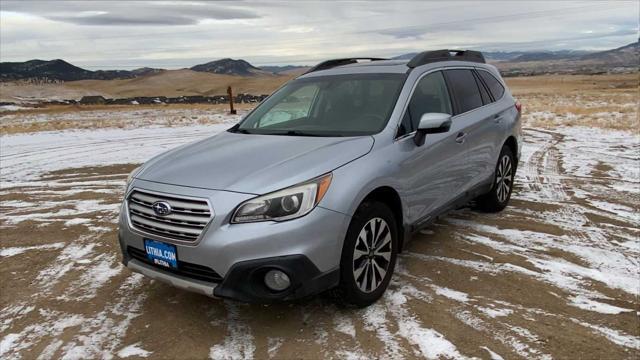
<point x="114" y="13"/>
<point x="406" y="33"/>
<point x="119" y="34"/>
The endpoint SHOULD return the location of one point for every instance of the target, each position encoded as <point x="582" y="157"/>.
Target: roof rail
<point x="428" y="57"/>
<point x="339" y="62"/>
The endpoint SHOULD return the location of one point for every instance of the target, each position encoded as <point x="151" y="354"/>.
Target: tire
<point x="502" y="185"/>
<point x="365" y="273"/>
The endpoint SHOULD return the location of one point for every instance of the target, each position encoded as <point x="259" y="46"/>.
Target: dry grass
<point x="58" y="109"/>
<point x="63" y="117"/>
<point x="170" y="83"/>
<point x="603" y="101"/>
<point x="181" y="83"/>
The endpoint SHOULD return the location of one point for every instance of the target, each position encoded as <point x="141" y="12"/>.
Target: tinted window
<point x="429" y="96"/>
<point x="465" y="89"/>
<point x="493" y="84"/>
<point x="486" y="99"/>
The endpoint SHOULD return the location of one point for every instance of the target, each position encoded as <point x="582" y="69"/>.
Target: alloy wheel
<point x="372" y="254"/>
<point x="504" y="178"/>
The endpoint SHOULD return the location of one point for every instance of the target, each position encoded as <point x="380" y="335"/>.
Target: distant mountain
<point x="229" y="67"/>
<point x="550" y="55"/>
<point x="493" y="56"/>
<point x="279" y="69"/>
<point x="53" y="69"/>
<point x="62" y="70"/>
<point x="628" y="54"/>
<point x="622" y="59"/>
<point x="514" y="63"/>
<point x="404" y="56"/>
<point x="501" y="55"/>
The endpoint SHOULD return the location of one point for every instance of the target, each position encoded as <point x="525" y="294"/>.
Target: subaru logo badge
<point x="161" y="208"/>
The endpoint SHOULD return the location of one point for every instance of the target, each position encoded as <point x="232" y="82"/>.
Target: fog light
<point x="276" y="280"/>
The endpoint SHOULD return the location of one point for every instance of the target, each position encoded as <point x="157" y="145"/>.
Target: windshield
<point x="338" y="105"/>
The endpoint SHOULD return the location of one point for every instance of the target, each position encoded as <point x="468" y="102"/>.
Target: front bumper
<point x="182" y="282"/>
<point x="245" y="280"/>
<point x="235" y="256"/>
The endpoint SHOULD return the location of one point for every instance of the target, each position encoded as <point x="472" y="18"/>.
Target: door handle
<point x="461" y="137"/>
<point x="497" y="118"/>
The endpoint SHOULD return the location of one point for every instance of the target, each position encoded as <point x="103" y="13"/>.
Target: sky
<point x="177" y="34"/>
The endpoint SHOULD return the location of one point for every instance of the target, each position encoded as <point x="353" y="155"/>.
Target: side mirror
<point x="431" y="123"/>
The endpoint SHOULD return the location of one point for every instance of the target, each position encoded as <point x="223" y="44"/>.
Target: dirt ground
<point x="555" y="275"/>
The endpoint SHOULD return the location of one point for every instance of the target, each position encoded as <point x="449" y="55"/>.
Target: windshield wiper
<point x="284" y="132"/>
<point x="240" y="131"/>
<point x="298" y="133"/>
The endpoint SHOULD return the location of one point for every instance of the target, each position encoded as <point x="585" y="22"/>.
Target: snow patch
<point x="451" y="294"/>
<point x="133" y="350"/>
<point x="239" y="341"/>
<point x="592" y="305"/>
<point x="344" y="324"/>
<point x="492" y="354"/>
<point x="13" y="251"/>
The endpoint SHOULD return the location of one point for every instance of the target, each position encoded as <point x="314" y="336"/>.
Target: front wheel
<point x="368" y="255"/>
<point x="498" y="197"/>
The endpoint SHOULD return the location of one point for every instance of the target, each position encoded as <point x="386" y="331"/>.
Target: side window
<point x="493" y="84"/>
<point x="429" y="96"/>
<point x="464" y="89"/>
<point x="486" y="99"/>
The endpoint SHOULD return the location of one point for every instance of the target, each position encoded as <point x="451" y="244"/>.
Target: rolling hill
<point x="622" y="59"/>
<point x="53" y="69"/>
<point x="628" y="54"/>
<point x="548" y="55"/>
<point x="181" y="83"/>
<point x="62" y="70"/>
<point x="230" y="67"/>
<point x="286" y="69"/>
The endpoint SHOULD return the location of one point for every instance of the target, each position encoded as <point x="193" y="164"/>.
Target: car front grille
<point x="185" y="223"/>
<point x="185" y="269"/>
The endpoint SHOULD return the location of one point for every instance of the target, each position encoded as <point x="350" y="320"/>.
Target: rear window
<point x="465" y="90"/>
<point x="496" y="88"/>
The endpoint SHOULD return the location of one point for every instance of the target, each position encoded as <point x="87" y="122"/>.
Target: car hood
<point x="254" y="164"/>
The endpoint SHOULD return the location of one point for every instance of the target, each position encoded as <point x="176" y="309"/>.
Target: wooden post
<point x="232" y="111"/>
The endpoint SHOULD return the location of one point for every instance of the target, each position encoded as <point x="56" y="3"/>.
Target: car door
<point x="483" y="136"/>
<point x="491" y="127"/>
<point x="432" y="172"/>
<point x="470" y="118"/>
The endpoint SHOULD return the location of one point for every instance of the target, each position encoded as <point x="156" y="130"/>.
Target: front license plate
<point x="161" y="254"/>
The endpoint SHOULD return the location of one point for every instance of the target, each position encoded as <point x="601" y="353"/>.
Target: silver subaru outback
<point x="322" y="184"/>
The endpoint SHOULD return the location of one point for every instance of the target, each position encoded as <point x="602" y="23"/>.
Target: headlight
<point x="286" y="204"/>
<point x="132" y="175"/>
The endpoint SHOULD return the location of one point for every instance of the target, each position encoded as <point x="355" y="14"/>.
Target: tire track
<point x="542" y="173"/>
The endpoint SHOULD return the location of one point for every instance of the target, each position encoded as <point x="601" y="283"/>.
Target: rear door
<point x="486" y="130"/>
<point x="470" y="117"/>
